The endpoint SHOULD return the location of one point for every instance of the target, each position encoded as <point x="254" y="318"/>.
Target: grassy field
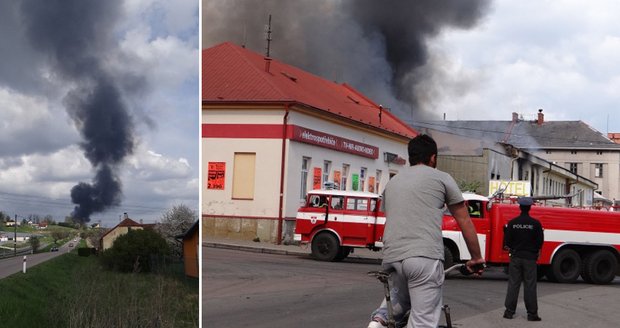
<point x="72" y="291"/>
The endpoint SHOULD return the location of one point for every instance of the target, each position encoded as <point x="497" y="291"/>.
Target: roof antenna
<point x="268" y="36"/>
<point x="245" y="38"/>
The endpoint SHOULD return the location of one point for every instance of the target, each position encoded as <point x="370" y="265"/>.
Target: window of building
<point x="244" y="176"/>
<point x="548" y="151"/>
<point x="574" y="152"/>
<point x="598" y="170"/>
<point x="599" y="153"/>
<point x="378" y="181"/>
<point x="345" y="176"/>
<point x="362" y="178"/>
<point x="305" y="164"/>
<point x="572" y="167"/>
<point x="327" y="167"/>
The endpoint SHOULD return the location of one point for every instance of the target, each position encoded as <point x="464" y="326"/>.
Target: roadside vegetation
<point x="77" y="291"/>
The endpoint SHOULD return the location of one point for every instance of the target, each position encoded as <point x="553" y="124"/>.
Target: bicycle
<point x="384" y="276"/>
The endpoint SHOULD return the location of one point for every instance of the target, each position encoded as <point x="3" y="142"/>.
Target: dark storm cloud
<point x="20" y="65"/>
<point x="75" y="36"/>
<point x="380" y="47"/>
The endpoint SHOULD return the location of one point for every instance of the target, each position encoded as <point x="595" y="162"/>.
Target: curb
<point x="271" y="250"/>
<point x="253" y="249"/>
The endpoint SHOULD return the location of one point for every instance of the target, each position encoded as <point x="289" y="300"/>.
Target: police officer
<point x="523" y="237"/>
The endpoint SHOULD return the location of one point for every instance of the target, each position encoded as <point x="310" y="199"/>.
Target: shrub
<point x="135" y="251"/>
<point x="86" y="251"/>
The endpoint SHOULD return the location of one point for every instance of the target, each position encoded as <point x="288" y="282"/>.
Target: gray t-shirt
<point x="414" y="201"/>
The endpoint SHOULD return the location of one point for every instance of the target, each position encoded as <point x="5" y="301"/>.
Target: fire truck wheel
<point x="599" y="267"/>
<point x="566" y="267"/>
<point x="343" y="253"/>
<point x="325" y="247"/>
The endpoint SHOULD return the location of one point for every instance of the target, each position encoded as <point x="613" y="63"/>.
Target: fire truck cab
<point x="333" y="222"/>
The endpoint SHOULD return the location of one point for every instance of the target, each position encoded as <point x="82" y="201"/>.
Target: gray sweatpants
<point x="416" y="286"/>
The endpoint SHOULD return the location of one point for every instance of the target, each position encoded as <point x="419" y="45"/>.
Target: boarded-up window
<point x="244" y="176"/>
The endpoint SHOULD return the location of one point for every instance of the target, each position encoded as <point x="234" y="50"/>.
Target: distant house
<point x="190" y="250"/>
<point x="107" y="240"/>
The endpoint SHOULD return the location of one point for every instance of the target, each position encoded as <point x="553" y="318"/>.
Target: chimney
<point x="515" y="117"/>
<point x="125" y="216"/>
<point x="541" y="117"/>
<point x="267" y="64"/>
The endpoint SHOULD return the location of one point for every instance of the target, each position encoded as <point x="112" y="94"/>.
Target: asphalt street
<point x="263" y="285"/>
<point x="14" y="265"/>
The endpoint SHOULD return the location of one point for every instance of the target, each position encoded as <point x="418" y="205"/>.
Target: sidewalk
<point x="271" y="248"/>
<point x="594" y="306"/>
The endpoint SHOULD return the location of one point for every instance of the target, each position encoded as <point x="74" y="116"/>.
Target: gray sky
<point x="469" y="60"/>
<point x="146" y="53"/>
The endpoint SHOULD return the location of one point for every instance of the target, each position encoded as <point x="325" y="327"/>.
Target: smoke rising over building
<point x="380" y="47"/>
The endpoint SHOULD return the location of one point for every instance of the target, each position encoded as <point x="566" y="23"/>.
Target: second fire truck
<point x="577" y="243"/>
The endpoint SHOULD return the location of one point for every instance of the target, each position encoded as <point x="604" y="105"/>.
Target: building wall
<point x="108" y="239"/>
<point x="190" y="254"/>
<point x="258" y="217"/>
<point x="609" y="184"/>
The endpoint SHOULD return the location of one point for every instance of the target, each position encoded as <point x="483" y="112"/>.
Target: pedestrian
<point x="414" y="202"/>
<point x="523" y="236"/>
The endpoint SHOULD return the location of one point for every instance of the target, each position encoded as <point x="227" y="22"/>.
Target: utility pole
<point x="15" y="236"/>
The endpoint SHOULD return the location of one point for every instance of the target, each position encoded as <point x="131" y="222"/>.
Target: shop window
<point x="244" y="176"/>
<point x="305" y="165"/>
<point x="362" y="178"/>
<point x="378" y="181"/>
<point x="327" y="167"/>
<point x="345" y="176"/>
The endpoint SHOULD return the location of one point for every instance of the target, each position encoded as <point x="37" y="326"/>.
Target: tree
<point x="49" y="219"/>
<point x="93" y="236"/>
<point x="34" y="243"/>
<point x="471" y="186"/>
<point x="136" y="251"/>
<point x="176" y="222"/>
<point x="58" y="235"/>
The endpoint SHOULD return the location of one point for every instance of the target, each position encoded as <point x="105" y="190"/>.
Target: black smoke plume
<point x="76" y="36"/>
<point x="381" y="47"/>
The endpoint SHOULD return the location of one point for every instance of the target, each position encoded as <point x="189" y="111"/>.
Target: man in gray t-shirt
<point x="414" y="202"/>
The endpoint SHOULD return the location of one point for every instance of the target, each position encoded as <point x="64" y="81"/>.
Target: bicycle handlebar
<point x="463" y="269"/>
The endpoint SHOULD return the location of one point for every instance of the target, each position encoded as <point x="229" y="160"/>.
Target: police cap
<point x="525" y="201"/>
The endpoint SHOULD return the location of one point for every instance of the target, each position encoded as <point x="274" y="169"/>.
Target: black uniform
<point x="524" y="237"/>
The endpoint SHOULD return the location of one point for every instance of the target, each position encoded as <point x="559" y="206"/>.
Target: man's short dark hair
<point x="421" y="149"/>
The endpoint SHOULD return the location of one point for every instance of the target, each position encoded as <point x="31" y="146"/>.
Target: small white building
<point x="271" y="132"/>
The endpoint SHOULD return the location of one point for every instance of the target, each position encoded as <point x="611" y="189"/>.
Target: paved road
<point x="243" y="289"/>
<point x="15" y="264"/>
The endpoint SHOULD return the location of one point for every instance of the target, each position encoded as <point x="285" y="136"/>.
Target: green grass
<point x="72" y="291"/>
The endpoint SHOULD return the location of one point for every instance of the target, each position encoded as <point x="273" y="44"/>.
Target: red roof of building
<point x="234" y="74"/>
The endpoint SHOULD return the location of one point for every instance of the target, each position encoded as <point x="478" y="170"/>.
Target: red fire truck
<point x="578" y="242"/>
